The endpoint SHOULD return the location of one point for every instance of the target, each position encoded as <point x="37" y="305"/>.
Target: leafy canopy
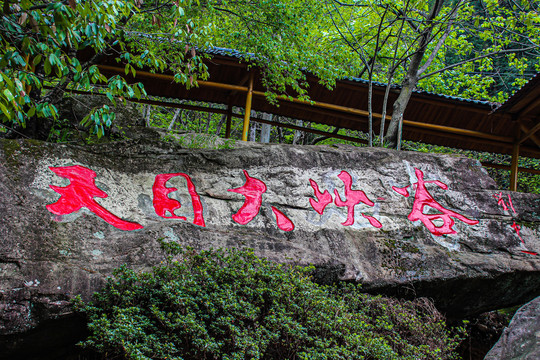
<point x="51" y="46"/>
<point x="43" y="42"/>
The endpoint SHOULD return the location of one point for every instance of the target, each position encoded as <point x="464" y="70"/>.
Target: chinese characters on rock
<point x="163" y="203"/>
<point x="423" y="199"/>
<point x="352" y="198"/>
<point x="82" y="190"/>
<point x="501" y="201"/>
<point x="253" y="191"/>
<point x="81" y="193"/>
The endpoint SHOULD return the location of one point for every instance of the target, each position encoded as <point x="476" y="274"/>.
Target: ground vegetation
<point x="230" y="304"/>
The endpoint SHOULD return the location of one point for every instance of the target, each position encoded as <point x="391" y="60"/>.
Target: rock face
<point x="398" y="222"/>
<point x="521" y="339"/>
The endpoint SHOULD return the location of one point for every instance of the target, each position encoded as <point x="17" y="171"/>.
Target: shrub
<point x="230" y="304"/>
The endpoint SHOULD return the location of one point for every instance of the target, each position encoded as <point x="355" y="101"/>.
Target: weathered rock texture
<point x="521" y="339"/>
<point x="47" y="258"/>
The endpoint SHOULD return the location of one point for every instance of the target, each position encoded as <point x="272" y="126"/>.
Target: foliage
<point x="43" y="42"/>
<point x="233" y="305"/>
<point x="459" y="47"/>
<point x="49" y="47"/>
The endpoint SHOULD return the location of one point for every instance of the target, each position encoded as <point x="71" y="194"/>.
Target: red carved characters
<point x="352" y="198"/>
<point x="500" y="200"/>
<point x="163" y="203"/>
<point x="253" y="190"/>
<point x="424" y="199"/>
<point x="323" y="199"/>
<point x="80" y="193"/>
<point x="283" y="222"/>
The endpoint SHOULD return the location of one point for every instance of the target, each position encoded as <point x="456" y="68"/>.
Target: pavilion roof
<point x="430" y="118"/>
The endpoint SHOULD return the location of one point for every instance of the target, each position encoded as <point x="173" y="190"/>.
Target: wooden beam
<point x="508" y="167"/>
<point x="458" y="131"/>
<point x="247" y="112"/>
<point x="535" y="103"/>
<point x="514" y="170"/>
<point x="323" y="105"/>
<point x="329" y="113"/>
<point x="309" y="130"/>
<point x="178" y="106"/>
<point x="530" y="133"/>
<point x="219" y="60"/>
<point x="156" y="102"/>
<point x="526" y="130"/>
<point x="452" y="103"/>
<point x="364" y="113"/>
<point x="146" y="74"/>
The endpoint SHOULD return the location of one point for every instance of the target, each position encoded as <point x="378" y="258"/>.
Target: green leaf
<point x="37" y="59"/>
<point x="47" y="67"/>
<point x="31" y="112"/>
<point x="8" y="95"/>
<point x="5" y="111"/>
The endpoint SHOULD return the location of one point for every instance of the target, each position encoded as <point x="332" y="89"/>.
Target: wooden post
<point x="247" y="113"/>
<point x="229" y="120"/>
<point x="515" y="160"/>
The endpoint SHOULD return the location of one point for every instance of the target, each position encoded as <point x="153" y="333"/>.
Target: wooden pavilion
<point x="431" y="118"/>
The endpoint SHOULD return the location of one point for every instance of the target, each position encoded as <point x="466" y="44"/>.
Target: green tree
<point x="43" y="41"/>
<point x="443" y="46"/>
<point x="452" y="47"/>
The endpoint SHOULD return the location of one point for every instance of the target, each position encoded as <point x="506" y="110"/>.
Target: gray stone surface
<point x="45" y="259"/>
<point x="521" y="339"/>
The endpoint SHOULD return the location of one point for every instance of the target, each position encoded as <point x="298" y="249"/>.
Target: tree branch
<point x="474" y="59"/>
<point x="435" y="51"/>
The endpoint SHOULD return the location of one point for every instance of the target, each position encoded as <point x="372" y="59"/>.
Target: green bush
<point x="230" y="304"/>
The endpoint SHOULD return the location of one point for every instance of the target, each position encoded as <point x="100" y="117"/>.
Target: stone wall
<point x="402" y="223"/>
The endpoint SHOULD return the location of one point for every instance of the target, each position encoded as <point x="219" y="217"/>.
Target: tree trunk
<point x="176" y="113"/>
<point x="398" y="109"/>
<point x="281" y="139"/>
<point x="208" y="121"/>
<point x="220" y="124"/>
<point x="298" y="135"/>
<point x="411" y="79"/>
<point x="266" y="128"/>
<point x="147" y="115"/>
<point x="253" y="128"/>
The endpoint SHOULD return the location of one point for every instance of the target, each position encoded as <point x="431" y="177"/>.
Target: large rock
<point x="521" y="339"/>
<point x="54" y="247"/>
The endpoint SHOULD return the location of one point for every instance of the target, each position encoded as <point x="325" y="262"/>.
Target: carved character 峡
<point x="423" y="198"/>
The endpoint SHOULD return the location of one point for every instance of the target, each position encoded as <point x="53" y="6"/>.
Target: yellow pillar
<point x="247" y="114"/>
<point x="514" y="167"/>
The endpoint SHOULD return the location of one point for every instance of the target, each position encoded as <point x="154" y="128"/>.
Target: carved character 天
<point x="81" y="193"/>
